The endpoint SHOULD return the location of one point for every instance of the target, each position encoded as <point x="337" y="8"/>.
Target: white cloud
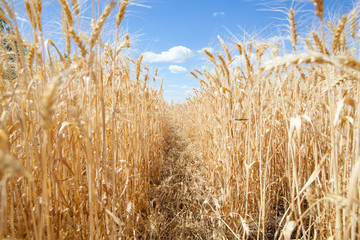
<point x="218" y="14"/>
<point x="209" y="49"/>
<point x="276" y="39"/>
<point x="177" y="69"/>
<point x="190" y="91"/>
<point x="177" y="54"/>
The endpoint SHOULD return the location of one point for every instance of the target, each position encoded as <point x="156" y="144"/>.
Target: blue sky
<point x="171" y="34"/>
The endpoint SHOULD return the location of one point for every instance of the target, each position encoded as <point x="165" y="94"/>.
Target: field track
<point x="178" y="197"/>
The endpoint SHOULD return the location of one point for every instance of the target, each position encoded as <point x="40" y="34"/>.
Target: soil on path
<point x="178" y="200"/>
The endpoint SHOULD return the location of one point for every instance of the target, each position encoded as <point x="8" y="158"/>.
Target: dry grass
<point x="81" y="139"/>
<point x="281" y="139"/>
<point x="261" y="151"/>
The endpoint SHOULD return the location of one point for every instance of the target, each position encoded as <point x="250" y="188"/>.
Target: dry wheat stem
<point x="90" y="150"/>
<point x="100" y="23"/>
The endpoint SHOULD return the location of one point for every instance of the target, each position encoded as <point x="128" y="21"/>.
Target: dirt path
<point x="178" y="200"/>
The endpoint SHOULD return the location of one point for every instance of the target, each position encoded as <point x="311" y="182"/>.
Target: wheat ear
<point x="100" y="23"/>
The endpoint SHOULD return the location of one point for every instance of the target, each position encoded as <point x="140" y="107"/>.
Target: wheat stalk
<point x="225" y="48"/>
<point x="78" y="42"/>
<point x="76" y="7"/>
<point x="67" y="11"/>
<point x="336" y="44"/>
<point x="319" y="43"/>
<point x="100" y="23"/>
<point x="319" y="8"/>
<point x="293" y="32"/>
<point x="121" y="12"/>
<point x="353" y="16"/>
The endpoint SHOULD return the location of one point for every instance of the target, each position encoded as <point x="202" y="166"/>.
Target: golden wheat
<point x="88" y="149"/>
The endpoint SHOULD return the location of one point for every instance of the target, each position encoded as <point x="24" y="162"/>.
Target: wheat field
<point x="262" y="150"/>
